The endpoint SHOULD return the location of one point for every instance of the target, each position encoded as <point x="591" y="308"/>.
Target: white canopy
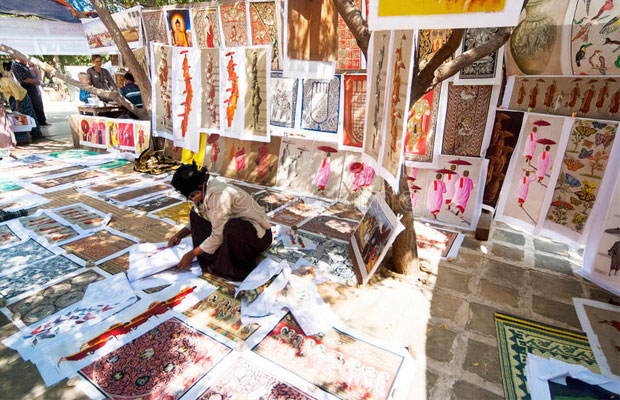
<point x="40" y="37"/>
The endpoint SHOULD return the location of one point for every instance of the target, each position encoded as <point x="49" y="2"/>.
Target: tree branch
<point x="128" y="57"/>
<point x="352" y="16"/>
<point x="105" y="94"/>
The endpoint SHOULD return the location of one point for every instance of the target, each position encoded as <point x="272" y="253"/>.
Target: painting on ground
<point x="584" y="166"/>
<point x="373" y="237"/>
<point x="161" y="76"/>
<point x="583" y="96"/>
<point x="395" y="14"/>
<point x="179" y="28"/>
<point x="450" y="194"/>
<point x="206" y="27"/>
<point x="532" y="171"/>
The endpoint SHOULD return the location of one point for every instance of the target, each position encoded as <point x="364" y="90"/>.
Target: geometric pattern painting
<point x="97" y="246"/>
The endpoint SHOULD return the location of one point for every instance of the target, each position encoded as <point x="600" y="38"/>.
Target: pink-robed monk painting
<point x="464" y="186"/>
<point x="435" y="195"/>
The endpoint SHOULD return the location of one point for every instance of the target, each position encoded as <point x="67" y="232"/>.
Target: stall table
<point x="104" y="111"/>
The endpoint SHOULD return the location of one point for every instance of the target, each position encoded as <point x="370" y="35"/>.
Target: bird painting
<point x="613" y="43"/>
<point x="581" y="54"/>
<point x="608" y="5"/>
<point x="583" y="32"/>
<point x="611" y="26"/>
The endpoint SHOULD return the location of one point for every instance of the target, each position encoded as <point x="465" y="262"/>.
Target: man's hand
<point x="186" y="261"/>
<point x="174" y="240"/>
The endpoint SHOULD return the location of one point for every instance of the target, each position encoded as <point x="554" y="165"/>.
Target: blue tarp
<point x="61" y="10"/>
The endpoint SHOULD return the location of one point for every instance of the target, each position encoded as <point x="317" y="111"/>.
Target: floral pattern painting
<point x="97" y="246"/>
<point x="581" y="175"/>
<point x="265" y="27"/>
<point x="161" y="364"/>
<point x="22" y="254"/>
<point x="234" y="24"/>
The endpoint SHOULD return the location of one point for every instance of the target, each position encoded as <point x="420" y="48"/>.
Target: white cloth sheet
<point x="151" y="258"/>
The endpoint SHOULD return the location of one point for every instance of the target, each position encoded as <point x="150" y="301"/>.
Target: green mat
<point x="73" y="154"/>
<point x="516" y="337"/>
<point x="113" y="164"/>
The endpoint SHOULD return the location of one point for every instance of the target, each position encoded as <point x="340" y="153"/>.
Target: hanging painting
<point x="488" y="69"/>
<point x="320" y="106"/>
<point x="394" y="14"/>
<point x="210" y="75"/>
<point x="179" y="27"/>
<point x="533" y="171"/>
<point x="186" y="103"/>
<point x="349" y="53"/>
<point x="82" y="216"/>
<point x="503" y="143"/>
<point x="536" y="44"/>
<point x="234" y="23"/>
<point x="100" y="40"/>
<point x="154" y="24"/>
<point x="378" y="49"/>
<point x="295" y="157"/>
<point x="421" y="143"/>
<point x="399" y="73"/>
<point x="601" y="258"/>
<point x="43" y="225"/>
<point x="450" y="194"/>
<point x="98" y="246"/>
<point x="312" y="34"/>
<point x="373" y="237"/>
<point x="582" y="96"/>
<point x="232" y="82"/>
<point x="93" y="132"/>
<point x="594" y="38"/>
<point x="120" y="135"/>
<point x="174" y="357"/>
<point x="467" y="119"/>
<point x="323" y="173"/>
<point x="283" y="102"/>
<point x="263" y="162"/>
<point x="206" y="27"/>
<point x="354" y="112"/>
<point x="161" y="76"/>
<point x="48" y="301"/>
<point x="581" y="177"/>
<point x="359" y="181"/>
<point x="142" y="136"/>
<point x="265" y="28"/>
<point x="287" y="346"/>
<point x="36" y="275"/>
<point x="257" y="75"/>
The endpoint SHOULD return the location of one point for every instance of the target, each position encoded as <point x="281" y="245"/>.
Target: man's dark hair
<point x="128" y="76"/>
<point x="95" y="56"/>
<point x="6" y="65"/>
<point x="188" y="178"/>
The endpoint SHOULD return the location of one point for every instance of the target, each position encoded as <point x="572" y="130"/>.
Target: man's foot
<point x="45" y="124"/>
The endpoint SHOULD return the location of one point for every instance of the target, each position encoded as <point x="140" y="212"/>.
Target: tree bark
<point x="129" y="58"/>
<point x="352" y="16"/>
<point x="106" y="94"/>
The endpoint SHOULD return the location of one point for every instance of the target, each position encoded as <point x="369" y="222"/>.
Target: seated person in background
<point x="131" y="91"/>
<point x="229" y="229"/>
<point x="85" y="79"/>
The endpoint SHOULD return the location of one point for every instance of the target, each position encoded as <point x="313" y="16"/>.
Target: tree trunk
<point x="105" y="94"/>
<point x="129" y="58"/>
<point x="352" y="16"/>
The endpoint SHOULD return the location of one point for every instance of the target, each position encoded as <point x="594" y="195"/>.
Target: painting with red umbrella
<point x="530" y="174"/>
<point x="94" y="132"/>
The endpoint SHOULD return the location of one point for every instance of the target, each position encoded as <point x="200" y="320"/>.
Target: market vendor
<point x="229" y="229"/>
<point x="99" y="76"/>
